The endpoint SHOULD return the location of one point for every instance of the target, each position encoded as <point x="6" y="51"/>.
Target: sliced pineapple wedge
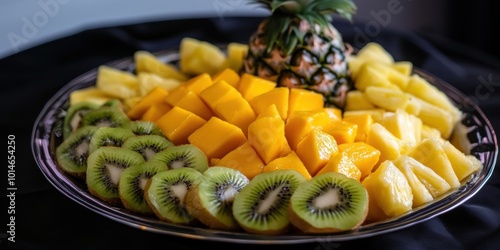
<point x="117" y="83"/>
<point x="148" y="62"/>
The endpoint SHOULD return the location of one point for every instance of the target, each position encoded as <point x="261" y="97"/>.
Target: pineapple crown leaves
<point x="313" y="11"/>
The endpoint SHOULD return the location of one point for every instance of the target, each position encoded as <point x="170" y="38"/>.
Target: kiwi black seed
<point x="109" y="136"/>
<point x="147" y="145"/>
<point x="328" y="203"/>
<point x="211" y="201"/>
<point x="73" y="152"/>
<point x="140" y="127"/>
<point x="106" y="117"/>
<point x="261" y="207"/>
<point x="132" y="183"/>
<point x="166" y="191"/>
<point x="183" y="156"/>
<point x="74" y="114"/>
<point x="104" y="168"/>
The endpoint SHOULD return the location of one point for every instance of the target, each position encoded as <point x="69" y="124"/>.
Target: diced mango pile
<point x="392" y="136"/>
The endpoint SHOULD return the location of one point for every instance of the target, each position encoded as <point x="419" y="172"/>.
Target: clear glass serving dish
<point x="474" y="133"/>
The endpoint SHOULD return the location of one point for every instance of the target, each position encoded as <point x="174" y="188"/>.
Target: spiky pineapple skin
<point x="317" y="62"/>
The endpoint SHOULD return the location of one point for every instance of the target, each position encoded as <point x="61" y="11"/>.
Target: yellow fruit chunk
<point x="244" y="159"/>
<point x="376" y="114"/>
<point x="148" y="62"/>
<point x="390" y="146"/>
<point x="267" y="136"/>
<point x="431" y="153"/>
<point x="156" y="111"/>
<point x="437" y="118"/>
<point x="288" y="161"/>
<point x="364" y="122"/>
<point x="197" y="57"/>
<point x="198" y="83"/>
<point x="375" y="52"/>
<point x="342" y="163"/>
<point x="177" y="124"/>
<point x="461" y="163"/>
<point x="355" y="100"/>
<point x="236" y="53"/>
<point x="404" y="67"/>
<point x="89" y="94"/>
<point x="304" y="100"/>
<point x="300" y="123"/>
<point x="370" y="76"/>
<point x="189" y="100"/>
<point x="342" y="131"/>
<point x="236" y="111"/>
<point x="218" y="92"/>
<point x="401" y="125"/>
<point x="270" y="111"/>
<point x="421" y="194"/>
<point x="149" y="81"/>
<point x="394" y="76"/>
<point x="364" y="156"/>
<point x="390" y="189"/>
<point x="316" y="149"/>
<point x="251" y="86"/>
<point x="278" y="97"/>
<point x="117" y="83"/>
<point x="335" y="114"/>
<point x="155" y="96"/>
<point x="228" y="75"/>
<point x="216" y="138"/>
<point x="387" y="98"/>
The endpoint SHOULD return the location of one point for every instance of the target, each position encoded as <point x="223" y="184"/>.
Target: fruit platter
<point x="291" y="137"/>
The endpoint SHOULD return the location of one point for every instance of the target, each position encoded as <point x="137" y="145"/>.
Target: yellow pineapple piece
<point x="375" y="52"/>
<point x="316" y="149"/>
<point x="428" y="131"/>
<point x="404" y="67"/>
<point x="149" y="81"/>
<point x="197" y="57"/>
<point x="117" y="83"/>
<point x="371" y="76"/>
<point x="437" y="118"/>
<point x="401" y="125"/>
<point x="394" y="76"/>
<point x="89" y="94"/>
<point x="390" y="146"/>
<point x="236" y="53"/>
<point x="389" y="99"/>
<point x="421" y="194"/>
<point x="355" y="100"/>
<point x="376" y="114"/>
<point x="390" y="189"/>
<point x="431" y="153"/>
<point x="462" y="165"/>
<point x="146" y="62"/>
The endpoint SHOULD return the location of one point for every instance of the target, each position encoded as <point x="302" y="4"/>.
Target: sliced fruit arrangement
<point x="290" y="132"/>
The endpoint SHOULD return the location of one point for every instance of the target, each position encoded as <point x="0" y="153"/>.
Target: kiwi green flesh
<point x="140" y="127"/>
<point x="104" y="168"/>
<point x="74" y="115"/>
<point x="132" y="184"/>
<point x="261" y="207"/>
<point x="183" y="156"/>
<point x="106" y="117"/>
<point x="147" y="145"/>
<point x="211" y="201"/>
<point x="165" y="194"/>
<point x="329" y="202"/>
<point x="109" y="136"/>
<point x="73" y="152"/>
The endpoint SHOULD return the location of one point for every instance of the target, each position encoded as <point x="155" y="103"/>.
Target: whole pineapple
<point x="298" y="47"/>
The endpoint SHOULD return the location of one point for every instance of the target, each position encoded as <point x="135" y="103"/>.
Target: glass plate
<point x="474" y="134"/>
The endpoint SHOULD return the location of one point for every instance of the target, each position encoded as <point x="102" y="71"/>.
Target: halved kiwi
<point x="74" y="114"/>
<point x="261" y="207"/>
<point x="328" y="203"/>
<point x="147" y="145"/>
<point x="106" y="116"/>
<point x="211" y="201"/>
<point x="109" y="136"/>
<point x="183" y="156"/>
<point x="140" y="127"/>
<point x="73" y="152"/>
<point x="132" y="183"/>
<point x="165" y="194"/>
<point x="104" y="168"/>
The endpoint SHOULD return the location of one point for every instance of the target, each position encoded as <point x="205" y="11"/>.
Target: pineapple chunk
<point x="355" y="100"/>
<point x="421" y="194"/>
<point x="117" y="83"/>
<point x="404" y="67"/>
<point x="149" y="81"/>
<point x="375" y="52"/>
<point x="371" y="76"/>
<point x="390" y="146"/>
<point x="236" y="53"/>
<point x="148" y="63"/>
<point x="462" y="165"/>
<point x="390" y="189"/>
<point x="389" y="99"/>
<point x="402" y="126"/>
<point x="89" y="94"/>
<point x="197" y="57"/>
<point x="431" y="153"/>
<point x="437" y="118"/>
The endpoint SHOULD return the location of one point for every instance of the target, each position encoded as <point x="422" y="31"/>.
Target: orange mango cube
<point x="198" y="83"/>
<point x="334" y="113"/>
<point x="364" y="122"/>
<point x="189" y="100"/>
<point x="278" y="97"/>
<point x="363" y="155"/>
<point x="156" y="95"/>
<point x="316" y="149"/>
<point x="156" y="111"/>
<point x="217" y="137"/>
<point x="251" y="86"/>
<point x="288" y="161"/>
<point x="228" y="75"/>
<point x="218" y="92"/>
<point x="177" y="124"/>
<point x="343" y="132"/>
<point x="304" y="100"/>
<point x="342" y="163"/>
<point x="244" y="159"/>
<point x="236" y="111"/>
<point x="267" y="137"/>
<point x="300" y="123"/>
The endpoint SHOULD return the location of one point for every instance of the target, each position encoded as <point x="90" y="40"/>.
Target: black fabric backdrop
<point x="46" y="219"/>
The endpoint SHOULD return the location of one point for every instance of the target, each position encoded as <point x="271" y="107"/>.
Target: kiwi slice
<point x="147" y="145"/>
<point x="132" y="183"/>
<point x="74" y="114"/>
<point x="113" y="103"/>
<point x="140" y="127"/>
<point x="328" y="203"/>
<point x="261" y="207"/>
<point x="104" y="168"/>
<point x="73" y="152"/>
<point x="211" y="201"/>
<point x="106" y="117"/>
<point x="166" y="191"/>
<point x="183" y="156"/>
<point x="109" y="136"/>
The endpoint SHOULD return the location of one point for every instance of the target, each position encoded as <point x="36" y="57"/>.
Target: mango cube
<point x="304" y="100"/>
<point x="189" y="100"/>
<point x="251" y="86"/>
<point x="178" y="123"/>
<point x="300" y="123"/>
<point x="288" y="161"/>
<point x="278" y="97"/>
<point x="316" y="149"/>
<point x="364" y="122"/>
<point x="218" y="92"/>
<point x="363" y="155"/>
<point x="156" y="95"/>
<point x="342" y="131"/>
<point x="244" y="159"/>
<point x="198" y="83"/>
<point x="342" y="163"/>
<point x="267" y="136"/>
<point x="236" y="111"/>
<point x="228" y="75"/>
<point x="156" y="111"/>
